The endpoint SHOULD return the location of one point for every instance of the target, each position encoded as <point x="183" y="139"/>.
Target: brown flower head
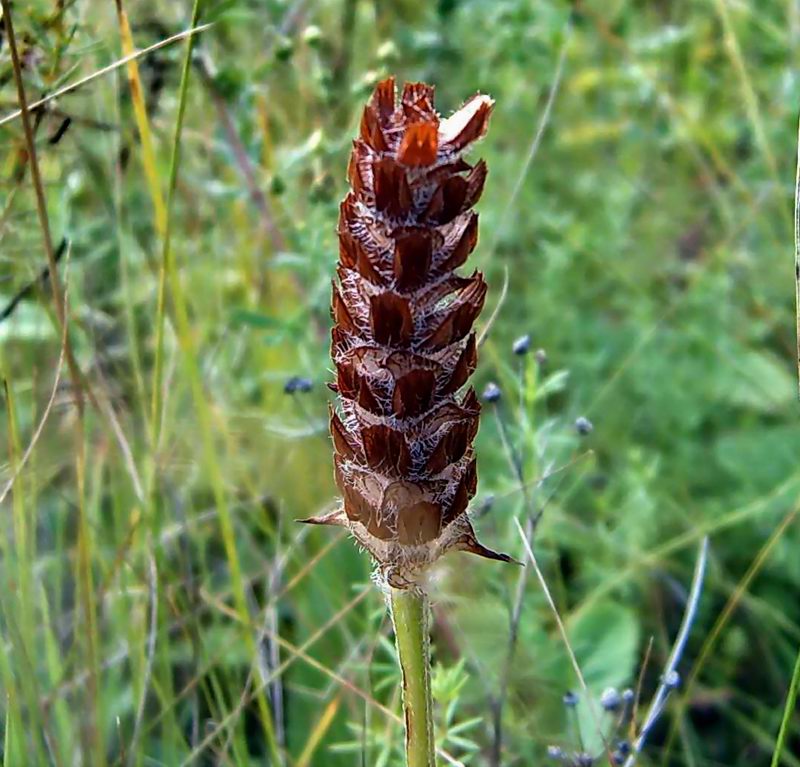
<point x="403" y="341"/>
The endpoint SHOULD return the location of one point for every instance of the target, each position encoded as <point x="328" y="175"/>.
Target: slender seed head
<point x="403" y="343"/>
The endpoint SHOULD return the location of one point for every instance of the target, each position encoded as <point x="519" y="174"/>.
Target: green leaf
<point x="605" y="640"/>
<point x="29" y="322"/>
<point x="757" y="380"/>
<point x="759" y="457"/>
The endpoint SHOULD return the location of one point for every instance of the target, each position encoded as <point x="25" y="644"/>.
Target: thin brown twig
<point x="45" y="415"/>
<point x="41" y="205"/>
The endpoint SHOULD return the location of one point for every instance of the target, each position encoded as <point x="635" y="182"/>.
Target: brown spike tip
<point x="337" y="517"/>
<point x="469" y="542"/>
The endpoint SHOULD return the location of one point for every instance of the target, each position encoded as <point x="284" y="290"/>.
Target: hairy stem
<point x="410" y="616"/>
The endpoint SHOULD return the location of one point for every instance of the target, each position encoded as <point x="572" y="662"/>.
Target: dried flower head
<point x="403" y="341"/>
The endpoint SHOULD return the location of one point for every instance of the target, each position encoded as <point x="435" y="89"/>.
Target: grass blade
<point x="788" y="714"/>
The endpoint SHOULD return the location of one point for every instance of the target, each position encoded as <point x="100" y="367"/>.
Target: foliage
<point x="647" y="250"/>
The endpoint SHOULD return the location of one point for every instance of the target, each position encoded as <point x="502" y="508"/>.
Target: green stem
<point x="788" y="712"/>
<point x="410" y="616"/>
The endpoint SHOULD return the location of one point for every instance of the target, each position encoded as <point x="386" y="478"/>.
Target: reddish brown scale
<point x="403" y="341"/>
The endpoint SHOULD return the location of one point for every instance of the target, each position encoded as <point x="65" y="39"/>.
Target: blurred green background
<point x="159" y="604"/>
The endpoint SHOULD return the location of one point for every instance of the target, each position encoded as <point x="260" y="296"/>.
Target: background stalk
<point x="410" y="612"/>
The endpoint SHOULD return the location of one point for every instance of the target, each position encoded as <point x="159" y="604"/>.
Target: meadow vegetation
<point x="158" y="603"/>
